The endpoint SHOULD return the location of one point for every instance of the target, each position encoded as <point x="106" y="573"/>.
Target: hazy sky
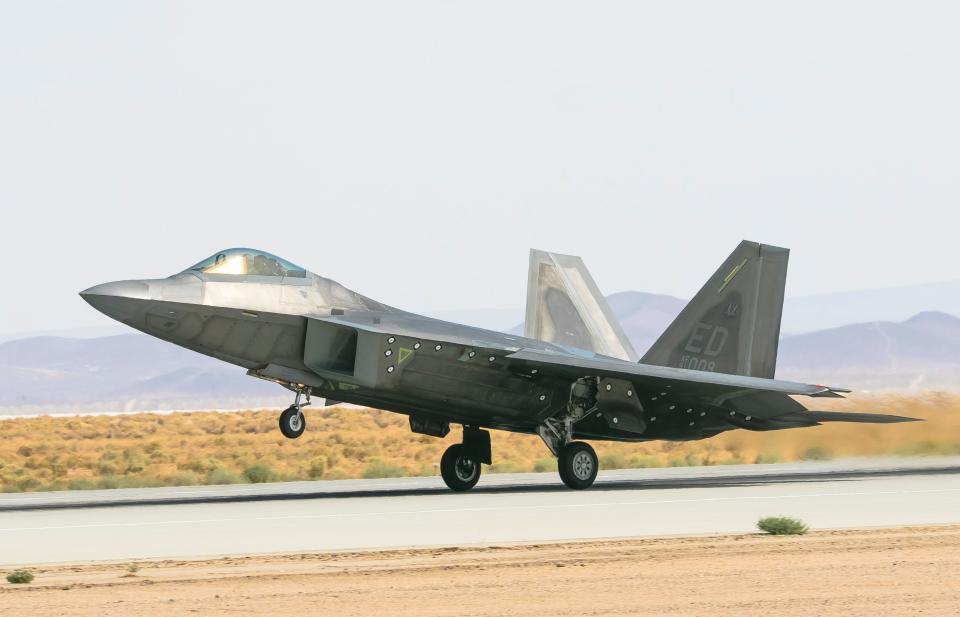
<point x="414" y="151"/>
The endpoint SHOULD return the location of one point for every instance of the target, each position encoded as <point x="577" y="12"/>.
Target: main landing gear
<point x="578" y="465"/>
<point x="292" y="422"/>
<point x="576" y="460"/>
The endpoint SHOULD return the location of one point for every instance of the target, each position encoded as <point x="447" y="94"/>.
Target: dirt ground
<point x="906" y="571"/>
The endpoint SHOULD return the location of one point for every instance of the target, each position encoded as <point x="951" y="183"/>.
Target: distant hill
<point x="116" y="373"/>
<point x="920" y="352"/>
<point x="822" y="311"/>
<point x="644" y="316"/>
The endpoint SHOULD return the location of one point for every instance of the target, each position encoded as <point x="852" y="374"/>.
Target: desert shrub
<point x="782" y="526"/>
<point x="79" y="484"/>
<point x="109" y="481"/>
<point x="767" y="457"/>
<point x="184" y="478"/>
<point x="545" y="464"/>
<point x="19" y="577"/>
<point x="613" y="460"/>
<point x="258" y="473"/>
<point x="379" y="469"/>
<point x="506" y="466"/>
<point x="816" y="453"/>
<point x="221" y="476"/>
<point x="640" y="462"/>
<point x="317" y="467"/>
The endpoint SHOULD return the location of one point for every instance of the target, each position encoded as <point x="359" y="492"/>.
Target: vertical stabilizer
<point x="732" y="325"/>
<point x="564" y="306"/>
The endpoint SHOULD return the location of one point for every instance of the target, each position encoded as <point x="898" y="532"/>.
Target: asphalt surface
<point x="73" y="526"/>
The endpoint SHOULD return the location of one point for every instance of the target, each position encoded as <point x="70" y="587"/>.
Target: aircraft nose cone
<point x="137" y="290"/>
<point x="120" y="300"/>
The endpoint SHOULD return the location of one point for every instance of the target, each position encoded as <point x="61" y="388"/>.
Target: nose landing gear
<point x="460" y="464"/>
<point x="460" y="468"/>
<point x="292" y="421"/>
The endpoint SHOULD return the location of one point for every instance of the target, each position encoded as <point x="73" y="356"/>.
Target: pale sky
<point x="415" y="151"/>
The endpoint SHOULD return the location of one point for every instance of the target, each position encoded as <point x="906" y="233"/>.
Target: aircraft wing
<point x="756" y="403"/>
<point x="702" y="382"/>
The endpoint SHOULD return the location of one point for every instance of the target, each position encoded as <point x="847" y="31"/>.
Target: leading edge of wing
<point x="611" y="366"/>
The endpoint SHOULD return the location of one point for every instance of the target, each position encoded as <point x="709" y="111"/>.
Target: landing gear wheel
<point x="292" y="422"/>
<point x="578" y="465"/>
<point x="460" y="469"/>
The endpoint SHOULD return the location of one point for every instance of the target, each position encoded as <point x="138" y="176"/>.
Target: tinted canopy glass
<point x="248" y="262"/>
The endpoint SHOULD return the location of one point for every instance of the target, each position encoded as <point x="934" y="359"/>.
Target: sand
<point x="904" y="571"/>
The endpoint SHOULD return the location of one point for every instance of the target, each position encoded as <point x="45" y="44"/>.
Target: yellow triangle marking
<point x="404" y="354"/>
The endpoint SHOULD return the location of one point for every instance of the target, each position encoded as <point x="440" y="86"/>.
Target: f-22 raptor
<point x="573" y="376"/>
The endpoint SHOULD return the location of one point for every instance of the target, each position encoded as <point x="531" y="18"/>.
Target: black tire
<point x="578" y="465"/>
<point x="292" y="422"/>
<point x="460" y="469"/>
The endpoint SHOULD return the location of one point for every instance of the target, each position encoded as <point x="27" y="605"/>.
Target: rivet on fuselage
<point x="748" y="418"/>
<point x="491" y="358"/>
<point x="609" y="387"/>
<point x="438" y="348"/>
<point x="416" y="345"/>
<point x="390" y="369"/>
<point x="388" y="353"/>
<point x="543" y="397"/>
<point x="391" y="340"/>
<point x="629" y="392"/>
<point x="471" y="354"/>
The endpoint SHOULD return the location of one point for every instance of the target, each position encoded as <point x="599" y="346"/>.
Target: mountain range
<point x="137" y="372"/>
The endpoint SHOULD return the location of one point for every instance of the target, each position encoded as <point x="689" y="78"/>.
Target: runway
<point x="507" y="508"/>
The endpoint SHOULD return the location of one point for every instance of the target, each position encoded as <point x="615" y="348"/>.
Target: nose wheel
<point x="292" y="421"/>
<point x="460" y="468"/>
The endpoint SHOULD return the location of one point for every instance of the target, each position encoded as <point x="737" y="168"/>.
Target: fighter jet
<point x="574" y="376"/>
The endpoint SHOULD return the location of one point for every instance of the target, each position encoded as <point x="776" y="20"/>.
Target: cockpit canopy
<point x="248" y="262"/>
